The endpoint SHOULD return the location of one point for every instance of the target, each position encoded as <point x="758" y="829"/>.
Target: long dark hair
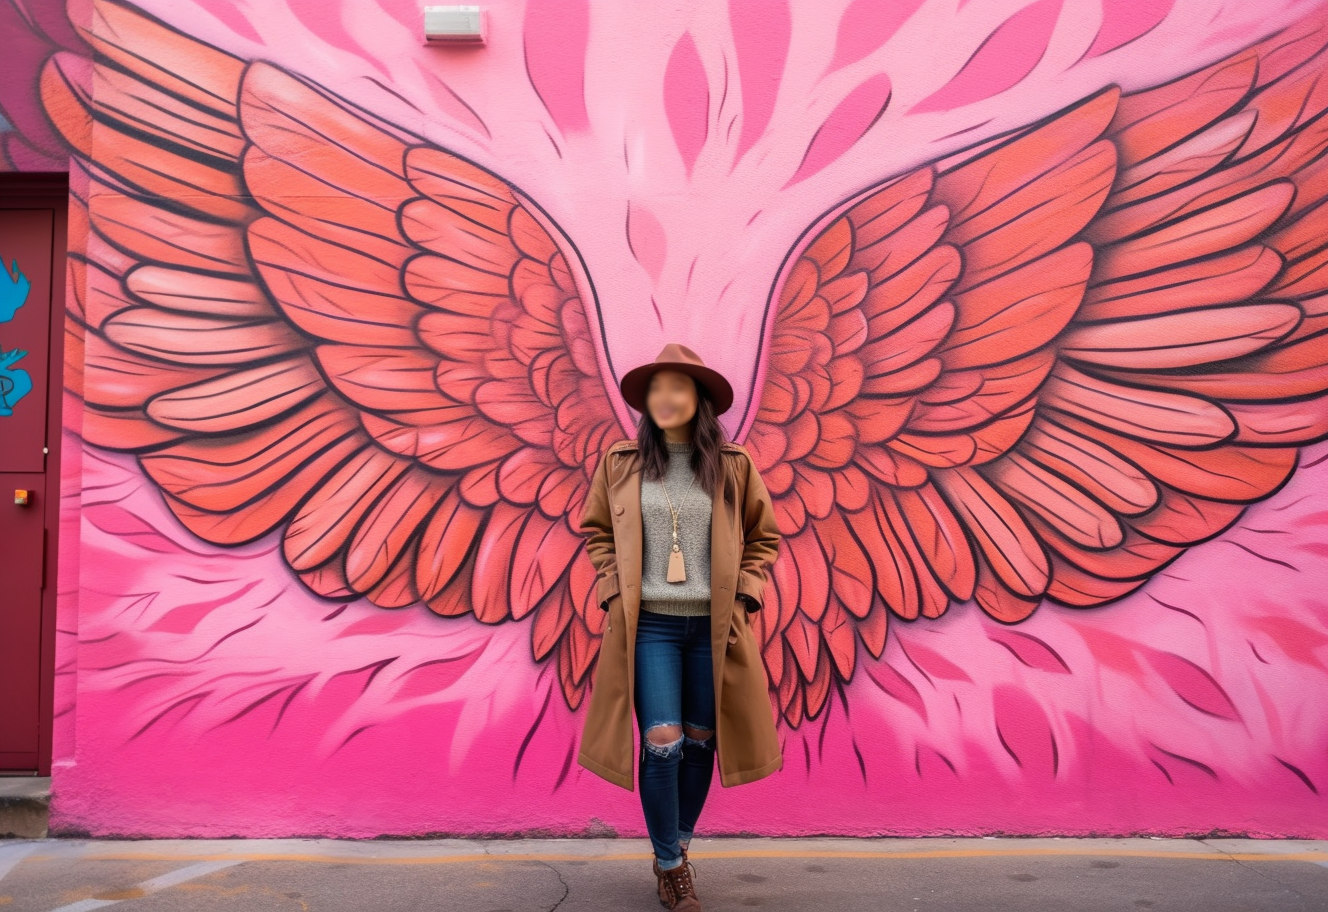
<point x="707" y="437"/>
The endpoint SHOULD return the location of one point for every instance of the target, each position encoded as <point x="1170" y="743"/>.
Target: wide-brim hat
<point x="677" y="357"/>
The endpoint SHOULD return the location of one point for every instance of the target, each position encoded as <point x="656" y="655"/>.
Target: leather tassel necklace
<point x="677" y="573"/>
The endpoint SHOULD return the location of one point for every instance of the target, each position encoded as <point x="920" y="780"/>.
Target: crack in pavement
<point x="566" y="889"/>
<point x="1256" y="869"/>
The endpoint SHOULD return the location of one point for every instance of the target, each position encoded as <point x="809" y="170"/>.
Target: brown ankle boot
<point x="676" y="889"/>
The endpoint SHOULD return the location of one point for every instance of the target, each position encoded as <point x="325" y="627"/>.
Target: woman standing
<point x="681" y="532"/>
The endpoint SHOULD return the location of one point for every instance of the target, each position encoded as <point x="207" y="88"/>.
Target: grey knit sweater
<point x="692" y="596"/>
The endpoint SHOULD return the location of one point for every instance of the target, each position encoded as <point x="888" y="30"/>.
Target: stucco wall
<point x="1032" y="359"/>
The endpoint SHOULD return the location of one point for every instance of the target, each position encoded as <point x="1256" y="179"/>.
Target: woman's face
<point x="671" y="398"/>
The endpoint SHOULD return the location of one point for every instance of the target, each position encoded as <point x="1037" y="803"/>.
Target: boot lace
<point x="679" y="880"/>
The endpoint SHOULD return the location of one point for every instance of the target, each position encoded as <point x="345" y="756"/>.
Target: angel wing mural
<point x="1031" y="372"/>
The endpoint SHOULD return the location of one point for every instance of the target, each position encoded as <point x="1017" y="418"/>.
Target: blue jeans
<point x="674" y="687"/>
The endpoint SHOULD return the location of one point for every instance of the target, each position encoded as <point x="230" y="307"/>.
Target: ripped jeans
<point x="675" y="713"/>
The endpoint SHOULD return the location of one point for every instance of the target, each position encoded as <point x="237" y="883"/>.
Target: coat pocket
<point x="607" y="589"/>
<point x="738" y="630"/>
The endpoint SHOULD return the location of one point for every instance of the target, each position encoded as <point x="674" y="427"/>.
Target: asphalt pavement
<point x="773" y="875"/>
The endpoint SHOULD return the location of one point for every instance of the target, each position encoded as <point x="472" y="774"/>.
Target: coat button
<point x="618" y="508"/>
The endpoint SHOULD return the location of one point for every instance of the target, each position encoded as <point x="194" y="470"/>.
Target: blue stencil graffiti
<point x="13" y="291"/>
<point x="14" y="382"/>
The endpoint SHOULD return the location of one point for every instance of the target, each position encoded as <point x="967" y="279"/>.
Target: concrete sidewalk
<point x="776" y="875"/>
<point x="25" y="805"/>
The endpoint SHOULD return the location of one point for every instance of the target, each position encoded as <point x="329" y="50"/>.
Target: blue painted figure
<point x="13" y="292"/>
<point x="14" y="382"/>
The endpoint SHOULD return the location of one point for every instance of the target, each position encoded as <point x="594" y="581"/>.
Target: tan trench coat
<point x="744" y="541"/>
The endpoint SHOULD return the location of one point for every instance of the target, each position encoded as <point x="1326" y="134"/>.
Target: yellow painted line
<point x="1319" y="857"/>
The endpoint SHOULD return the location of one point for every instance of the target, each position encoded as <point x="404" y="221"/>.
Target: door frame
<point x="27" y="191"/>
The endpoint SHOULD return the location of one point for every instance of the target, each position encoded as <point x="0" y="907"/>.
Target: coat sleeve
<point x="597" y="526"/>
<point x="761" y="537"/>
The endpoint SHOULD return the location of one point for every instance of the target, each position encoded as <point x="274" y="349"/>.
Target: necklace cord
<point x="674" y="513"/>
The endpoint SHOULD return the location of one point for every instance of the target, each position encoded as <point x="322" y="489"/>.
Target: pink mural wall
<point x="1024" y="304"/>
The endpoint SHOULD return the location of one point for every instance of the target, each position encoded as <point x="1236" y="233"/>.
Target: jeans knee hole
<point x="669" y="750"/>
<point x="706" y="741"/>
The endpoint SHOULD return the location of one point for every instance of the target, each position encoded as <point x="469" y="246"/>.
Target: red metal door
<point x="27" y="237"/>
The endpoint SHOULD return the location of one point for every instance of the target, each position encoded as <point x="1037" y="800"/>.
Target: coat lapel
<point x="721" y="587"/>
<point x="629" y="496"/>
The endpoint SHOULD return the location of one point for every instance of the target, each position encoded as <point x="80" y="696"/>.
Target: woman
<point x="681" y="532"/>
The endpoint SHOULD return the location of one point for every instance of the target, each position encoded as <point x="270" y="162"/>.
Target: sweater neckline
<point x="677" y="447"/>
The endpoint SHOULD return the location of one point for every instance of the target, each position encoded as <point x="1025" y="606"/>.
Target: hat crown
<point x="674" y="353"/>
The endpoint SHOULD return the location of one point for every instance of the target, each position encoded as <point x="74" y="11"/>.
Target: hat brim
<point x="636" y="382"/>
